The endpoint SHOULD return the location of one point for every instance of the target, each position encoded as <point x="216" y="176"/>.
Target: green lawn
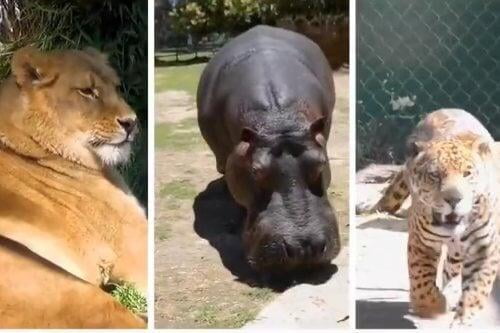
<point x="178" y="78"/>
<point x="183" y="77"/>
<point x="180" y="136"/>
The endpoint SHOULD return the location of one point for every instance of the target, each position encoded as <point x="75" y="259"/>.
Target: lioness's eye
<point x="467" y="173"/>
<point x="89" y="93"/>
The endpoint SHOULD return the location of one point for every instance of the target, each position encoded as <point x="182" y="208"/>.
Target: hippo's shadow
<point x="219" y="219"/>
<point x="173" y="63"/>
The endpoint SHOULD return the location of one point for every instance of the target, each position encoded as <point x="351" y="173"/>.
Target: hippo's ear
<point x="248" y="135"/>
<point x="317" y="129"/>
<point x="247" y="142"/>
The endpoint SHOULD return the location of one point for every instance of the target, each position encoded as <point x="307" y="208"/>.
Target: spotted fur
<point x="451" y="181"/>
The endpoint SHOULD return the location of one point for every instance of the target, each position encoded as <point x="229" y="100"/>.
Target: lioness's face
<point x="78" y="92"/>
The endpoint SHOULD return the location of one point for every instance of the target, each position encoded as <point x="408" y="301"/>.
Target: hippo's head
<point x="282" y="181"/>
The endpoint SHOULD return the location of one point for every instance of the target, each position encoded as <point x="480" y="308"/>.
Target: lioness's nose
<point x="128" y="124"/>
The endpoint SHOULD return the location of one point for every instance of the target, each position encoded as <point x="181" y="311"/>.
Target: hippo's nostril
<point x="320" y="247"/>
<point x="288" y="250"/>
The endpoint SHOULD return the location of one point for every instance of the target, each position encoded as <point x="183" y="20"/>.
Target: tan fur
<point x="58" y="196"/>
<point x="38" y="294"/>
<point x="452" y="150"/>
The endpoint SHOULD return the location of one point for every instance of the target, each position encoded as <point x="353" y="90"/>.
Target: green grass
<point x="178" y="78"/>
<point x="206" y="315"/>
<point x="131" y="298"/>
<point x="179" y="190"/>
<point x="209" y="317"/>
<point x="163" y="231"/>
<point x="180" y="136"/>
<point x="213" y="316"/>
<point x="239" y="319"/>
<point x="260" y="294"/>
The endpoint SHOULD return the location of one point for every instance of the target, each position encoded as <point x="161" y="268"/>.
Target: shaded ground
<point x="382" y="283"/>
<point x="202" y="280"/>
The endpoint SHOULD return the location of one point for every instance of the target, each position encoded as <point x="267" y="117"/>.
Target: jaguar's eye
<point x="91" y="93"/>
<point x="434" y="175"/>
<point x="466" y="174"/>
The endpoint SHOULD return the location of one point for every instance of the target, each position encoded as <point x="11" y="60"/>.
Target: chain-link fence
<point x="414" y="57"/>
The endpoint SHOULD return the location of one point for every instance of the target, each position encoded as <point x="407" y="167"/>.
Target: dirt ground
<point x="201" y="278"/>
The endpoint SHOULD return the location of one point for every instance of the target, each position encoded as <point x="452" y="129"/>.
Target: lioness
<point x="63" y="127"/>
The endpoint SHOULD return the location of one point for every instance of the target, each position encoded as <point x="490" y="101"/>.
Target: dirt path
<point x="201" y="279"/>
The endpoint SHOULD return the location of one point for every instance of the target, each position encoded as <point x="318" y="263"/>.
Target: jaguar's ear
<point x="415" y="147"/>
<point x="482" y="147"/>
<point x="31" y="68"/>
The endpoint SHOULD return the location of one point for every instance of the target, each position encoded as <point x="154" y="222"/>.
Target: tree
<point x="201" y="17"/>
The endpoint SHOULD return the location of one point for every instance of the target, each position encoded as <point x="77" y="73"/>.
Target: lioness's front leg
<point x="425" y="298"/>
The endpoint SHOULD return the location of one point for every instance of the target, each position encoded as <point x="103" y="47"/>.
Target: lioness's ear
<point x="30" y="67"/>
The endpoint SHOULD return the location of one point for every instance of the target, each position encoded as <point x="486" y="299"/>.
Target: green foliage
<point x="193" y="18"/>
<point x="128" y="296"/>
<point x="118" y="28"/>
<point x="201" y="17"/>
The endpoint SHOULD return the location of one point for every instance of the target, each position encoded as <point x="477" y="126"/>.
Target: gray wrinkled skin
<point x="264" y="107"/>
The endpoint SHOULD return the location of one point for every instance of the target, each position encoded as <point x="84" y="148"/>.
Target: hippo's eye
<point x="466" y="174"/>
<point x="316" y="171"/>
<point x="258" y="172"/>
<point x="90" y="93"/>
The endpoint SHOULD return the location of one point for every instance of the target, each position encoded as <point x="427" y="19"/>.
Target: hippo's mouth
<point x="280" y="256"/>
<point x="287" y="266"/>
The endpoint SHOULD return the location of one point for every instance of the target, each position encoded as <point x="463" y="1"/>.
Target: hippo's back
<point x="263" y="53"/>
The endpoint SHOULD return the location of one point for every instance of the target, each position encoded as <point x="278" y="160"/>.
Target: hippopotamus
<point x="265" y="104"/>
